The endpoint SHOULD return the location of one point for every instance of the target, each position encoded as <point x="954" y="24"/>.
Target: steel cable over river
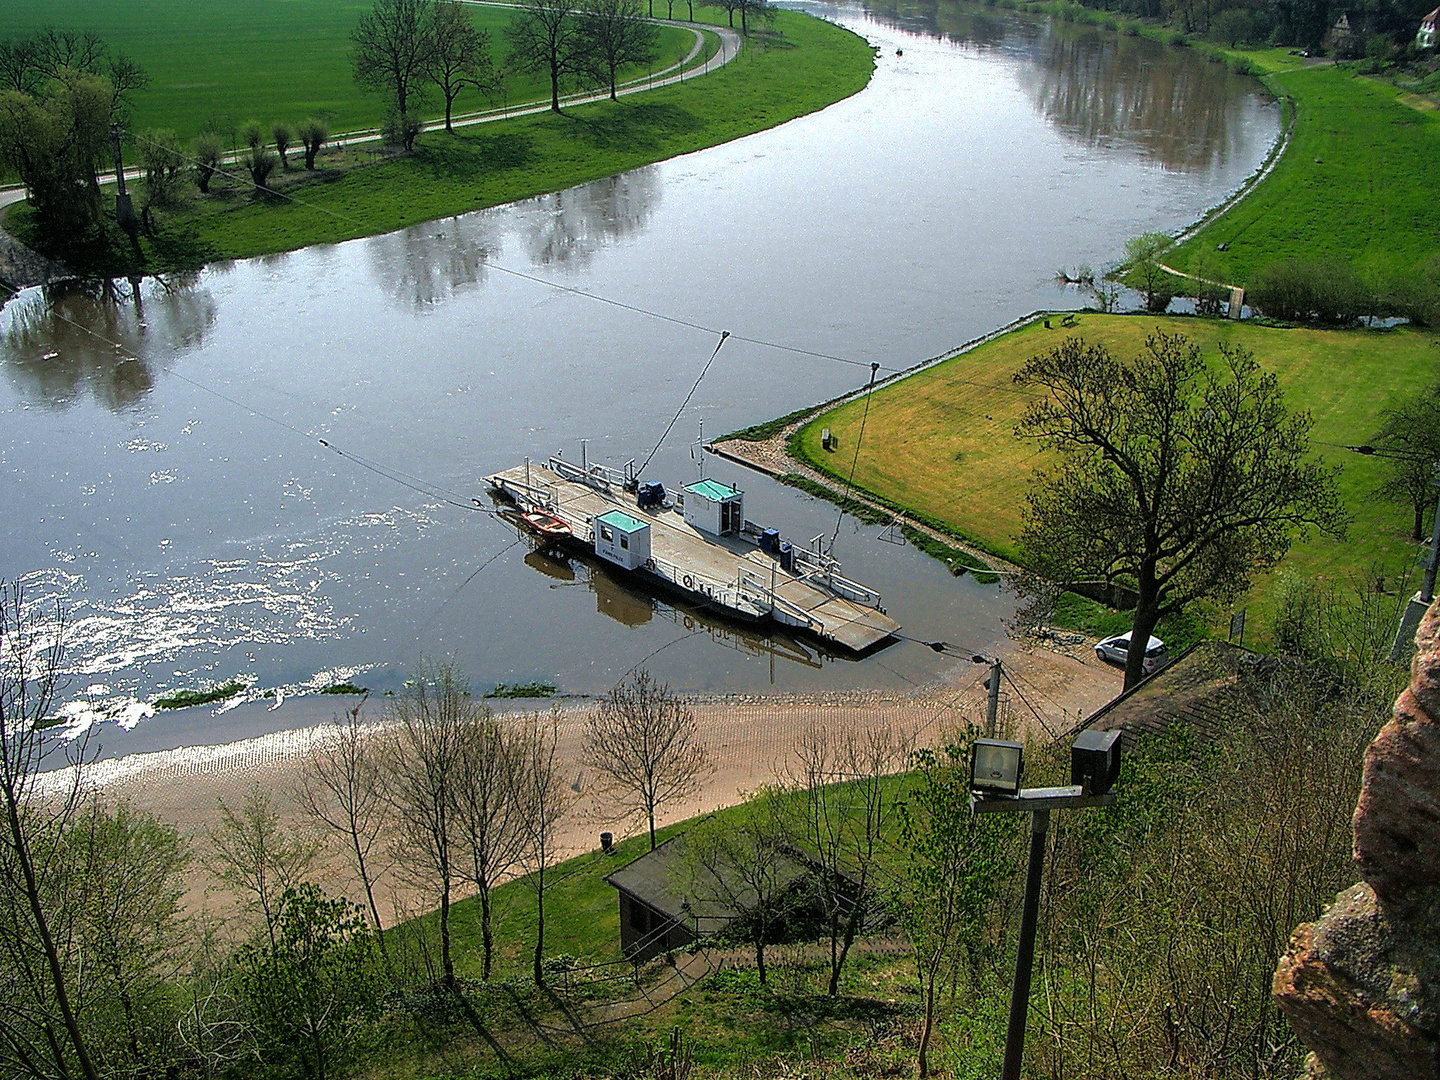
<point x="192" y="542"/>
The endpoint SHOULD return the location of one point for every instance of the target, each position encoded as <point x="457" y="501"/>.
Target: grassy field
<point x="1359" y="181"/>
<point x="942" y="441"/>
<point x="805" y="66"/>
<point x="269" y="60"/>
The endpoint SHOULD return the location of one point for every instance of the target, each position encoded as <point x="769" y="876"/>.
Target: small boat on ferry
<point x="545" y="525"/>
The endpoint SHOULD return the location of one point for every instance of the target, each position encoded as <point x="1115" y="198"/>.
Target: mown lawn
<point x="1359" y="182"/>
<point x="804" y="66"/>
<point x="942" y="441"/>
<point x="267" y="60"/>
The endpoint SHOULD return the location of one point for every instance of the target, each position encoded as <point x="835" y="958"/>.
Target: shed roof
<point x="713" y="489"/>
<point x="665" y="880"/>
<point x="623" y="521"/>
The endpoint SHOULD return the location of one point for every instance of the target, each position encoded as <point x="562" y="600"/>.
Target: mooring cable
<point x="674" y="419"/>
<point x="855" y="460"/>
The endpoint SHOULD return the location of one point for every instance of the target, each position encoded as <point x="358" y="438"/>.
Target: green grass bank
<point x="941" y="443"/>
<point x="803" y="66"/>
<point x="228" y="61"/>
<point x="1358" y="182"/>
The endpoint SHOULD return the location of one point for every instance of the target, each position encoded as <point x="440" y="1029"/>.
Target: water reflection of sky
<point x="173" y="490"/>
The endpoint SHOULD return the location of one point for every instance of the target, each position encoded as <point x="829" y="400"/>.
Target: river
<point x="160" y="462"/>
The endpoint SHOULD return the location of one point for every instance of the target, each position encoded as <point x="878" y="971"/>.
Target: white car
<point x="1115" y="649"/>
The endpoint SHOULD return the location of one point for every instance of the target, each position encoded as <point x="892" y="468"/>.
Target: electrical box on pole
<point x="992" y="703"/>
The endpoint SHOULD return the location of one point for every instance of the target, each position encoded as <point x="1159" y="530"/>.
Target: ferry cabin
<point x="715" y="508"/>
<point x="622" y="539"/>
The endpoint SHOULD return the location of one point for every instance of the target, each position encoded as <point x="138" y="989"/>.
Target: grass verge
<point x="805" y="65"/>
<point x="940" y="444"/>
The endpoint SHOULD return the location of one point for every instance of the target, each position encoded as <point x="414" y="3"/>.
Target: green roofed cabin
<point x="622" y="539"/>
<point x="714" y="507"/>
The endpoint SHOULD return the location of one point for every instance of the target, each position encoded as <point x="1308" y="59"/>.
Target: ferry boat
<point x="695" y="542"/>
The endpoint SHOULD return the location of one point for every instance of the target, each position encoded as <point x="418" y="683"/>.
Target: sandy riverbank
<point x="751" y="740"/>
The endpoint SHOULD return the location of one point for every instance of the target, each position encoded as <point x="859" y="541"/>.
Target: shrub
<point x="1304" y="290"/>
<point x="250" y="132"/>
<point x="399" y="130"/>
<point x="280" y="133"/>
<point x="207" y="159"/>
<point x="313" y="133"/>
<point x="261" y="164"/>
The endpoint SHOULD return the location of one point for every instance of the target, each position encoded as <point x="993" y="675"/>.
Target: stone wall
<point x="1361" y="985"/>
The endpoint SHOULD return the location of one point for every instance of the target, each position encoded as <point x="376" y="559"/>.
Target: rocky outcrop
<point x="1361" y="986"/>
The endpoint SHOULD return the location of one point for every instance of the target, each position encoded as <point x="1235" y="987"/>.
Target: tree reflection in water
<point x="135" y="328"/>
<point x="428" y="263"/>
<point x="1097" y="88"/>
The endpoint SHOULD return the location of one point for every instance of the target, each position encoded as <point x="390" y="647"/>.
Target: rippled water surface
<point x="161" y="482"/>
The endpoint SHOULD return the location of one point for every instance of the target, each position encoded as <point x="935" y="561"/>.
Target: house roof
<point x="713" y="489"/>
<point x="623" y="521"/>
<point x="1201" y="689"/>
<point x="669" y="881"/>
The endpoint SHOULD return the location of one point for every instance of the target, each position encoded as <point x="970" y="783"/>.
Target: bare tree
<point x="394" y="42"/>
<point x="547" y="35"/>
<point x="546" y="802"/>
<point x="41" y="1021"/>
<point x="1177" y="477"/>
<point x="491" y="813"/>
<point x="257" y="857"/>
<point x="645" y="742"/>
<point x="1408" y="445"/>
<point x="460" y="56"/>
<point x="845" y="804"/>
<point x="742" y="864"/>
<point x="616" y="34"/>
<point x="342" y="790"/>
<point x="427" y="753"/>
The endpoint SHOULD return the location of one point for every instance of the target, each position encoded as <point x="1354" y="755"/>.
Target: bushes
<point x="1330" y="291"/>
<point x="1304" y="290"/>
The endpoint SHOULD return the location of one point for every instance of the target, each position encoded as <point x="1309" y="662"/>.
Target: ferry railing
<point x="592" y="473"/>
<point x="769" y="597"/>
<point x="852" y="590"/>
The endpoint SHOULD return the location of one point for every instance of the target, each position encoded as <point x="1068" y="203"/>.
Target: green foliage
<point x="346" y="687"/>
<point x="311" y="989"/>
<point x="52" y="140"/>
<point x="536" y="688"/>
<point x="184" y="699"/>
<point x="1311" y="290"/>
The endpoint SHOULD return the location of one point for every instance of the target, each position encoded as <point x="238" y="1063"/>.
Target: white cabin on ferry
<point x="622" y="539"/>
<point x="714" y="507"/>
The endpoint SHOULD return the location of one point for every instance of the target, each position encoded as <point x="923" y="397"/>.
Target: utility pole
<point x="992" y="703"/>
<point x="124" y="208"/>
<point x="1420" y="602"/>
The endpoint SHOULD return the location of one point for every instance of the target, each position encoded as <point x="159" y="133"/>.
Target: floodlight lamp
<point x="996" y="767"/>
<point x="1095" y="761"/>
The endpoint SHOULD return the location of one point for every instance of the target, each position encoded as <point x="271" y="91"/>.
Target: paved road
<point x="730" y="45"/>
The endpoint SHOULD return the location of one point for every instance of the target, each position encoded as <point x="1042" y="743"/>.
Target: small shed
<point x="714" y="507"/>
<point x="1428" y="36"/>
<point x="622" y="539"/>
<point x="659" y="908"/>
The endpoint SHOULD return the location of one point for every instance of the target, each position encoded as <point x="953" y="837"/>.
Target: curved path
<point x="730" y="45"/>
